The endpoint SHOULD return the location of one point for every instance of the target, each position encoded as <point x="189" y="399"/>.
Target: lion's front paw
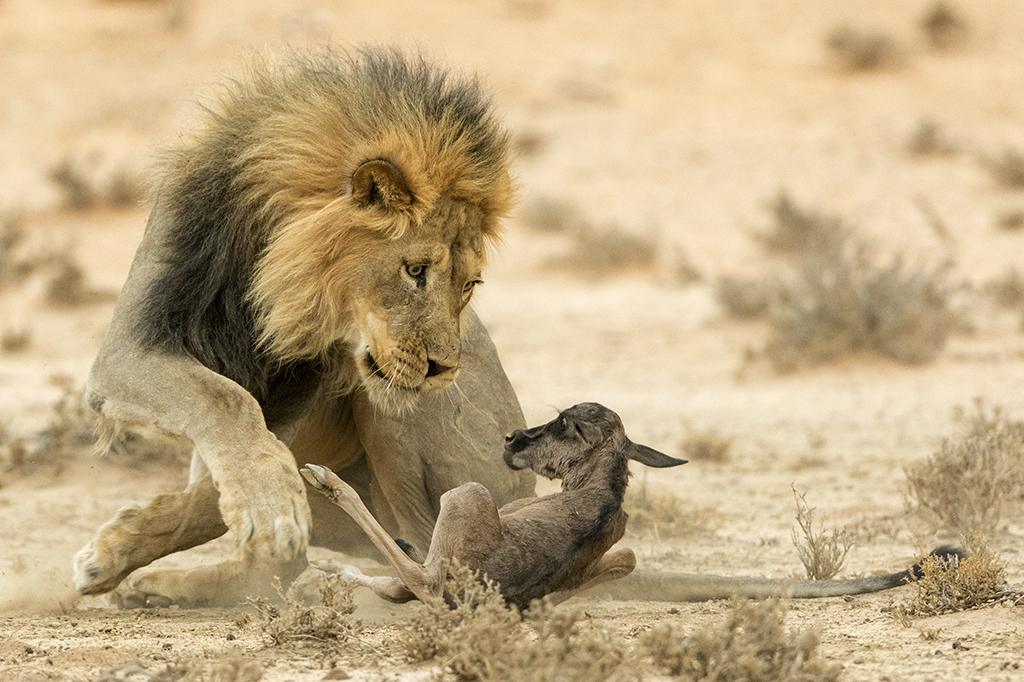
<point x="270" y="516"/>
<point x="162" y="587"/>
<point x="102" y="564"/>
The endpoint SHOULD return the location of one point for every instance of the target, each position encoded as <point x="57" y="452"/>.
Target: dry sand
<point x="676" y="120"/>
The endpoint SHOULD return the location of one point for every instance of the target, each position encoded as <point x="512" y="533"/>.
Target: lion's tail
<point x="694" y="587"/>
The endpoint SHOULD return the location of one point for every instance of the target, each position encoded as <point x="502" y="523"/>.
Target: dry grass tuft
<point x="15" y="339"/>
<point x="68" y="433"/>
<point x="858" y="49"/>
<point x="75" y="185"/>
<point x="1007" y="290"/>
<point x="82" y="186"/>
<point x="743" y="299"/>
<point x="476" y="636"/>
<point x="553" y="216"/>
<point x="952" y="584"/>
<point x="944" y="26"/>
<point x="706" y="445"/>
<point x="821" y="552"/>
<point x="1011" y="220"/>
<point x="928" y="139"/>
<point x="973" y="477"/>
<point x="1006" y="167"/>
<point x="293" y="621"/>
<point x="799" y="230"/>
<point x="664" y="515"/>
<point x="68" y="287"/>
<point x="13" y="264"/>
<point x="752" y="643"/>
<point x="607" y="249"/>
<point x="844" y="302"/>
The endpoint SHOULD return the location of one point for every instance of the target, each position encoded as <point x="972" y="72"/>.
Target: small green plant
<point x="821" y="552"/>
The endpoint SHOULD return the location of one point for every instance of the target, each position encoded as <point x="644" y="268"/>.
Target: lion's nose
<point x="434" y="368"/>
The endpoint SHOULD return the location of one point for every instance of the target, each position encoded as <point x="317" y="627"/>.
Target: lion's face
<point x="407" y="297"/>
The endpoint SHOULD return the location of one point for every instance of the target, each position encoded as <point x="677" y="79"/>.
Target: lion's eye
<point x="467" y="289"/>
<point x="418" y="271"/>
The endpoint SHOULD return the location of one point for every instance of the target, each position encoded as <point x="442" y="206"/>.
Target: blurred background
<point x="785" y="237"/>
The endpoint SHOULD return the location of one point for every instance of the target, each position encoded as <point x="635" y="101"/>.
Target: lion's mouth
<point x="375" y="370"/>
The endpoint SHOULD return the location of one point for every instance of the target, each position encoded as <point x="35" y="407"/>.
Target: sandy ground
<point x="676" y="120"/>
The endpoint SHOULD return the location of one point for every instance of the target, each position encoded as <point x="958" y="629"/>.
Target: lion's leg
<point x="446" y="439"/>
<point x="261" y="496"/>
<point x="137" y="536"/>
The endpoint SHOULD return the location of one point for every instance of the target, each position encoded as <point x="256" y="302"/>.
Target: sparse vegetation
<point x="15" y="339"/>
<point x="858" y="49"/>
<point x="68" y="433"/>
<point x="971" y="479"/>
<point x="1011" y="220"/>
<point x="664" y="515"/>
<point x="1007" y="290"/>
<point x="67" y="286"/>
<point x="928" y="139"/>
<point x="610" y="248"/>
<point x="752" y="643"/>
<point x="82" y="186"/>
<point x="797" y="230"/>
<point x="477" y="637"/>
<point x="292" y="621"/>
<point x="844" y="302"/>
<point x="705" y="445"/>
<point x="944" y="26"/>
<point x="528" y="143"/>
<point x="553" y="216"/>
<point x="13" y="264"/>
<point x="821" y="552"/>
<point x="743" y="299"/>
<point x="1006" y="167"/>
<point x="952" y="584"/>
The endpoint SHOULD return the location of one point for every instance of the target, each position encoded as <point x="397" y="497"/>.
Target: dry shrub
<point x="553" y="216"/>
<point x="858" y="49"/>
<point x="664" y="515"/>
<point x="476" y="636"/>
<point x="68" y="287"/>
<point x="225" y="670"/>
<point x="944" y="26"/>
<point x="1006" y="167"/>
<point x="706" y="445"/>
<point x="15" y="339"/>
<point x="293" y="621"/>
<point x="752" y="643"/>
<point x="68" y="433"/>
<point x="1007" y="290"/>
<point x="743" y="299"/>
<point x="844" y="302"/>
<point x="971" y="479"/>
<point x="82" y="186"/>
<point x="798" y="230"/>
<point x="928" y="139"/>
<point x="821" y="552"/>
<point x="609" y="248"/>
<point x="13" y="264"/>
<point x="1011" y="220"/>
<point x="528" y="143"/>
<point x="953" y="584"/>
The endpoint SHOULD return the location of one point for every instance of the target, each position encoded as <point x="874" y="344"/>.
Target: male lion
<point x="301" y="293"/>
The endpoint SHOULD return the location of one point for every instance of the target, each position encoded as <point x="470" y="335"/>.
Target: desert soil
<point x="673" y="120"/>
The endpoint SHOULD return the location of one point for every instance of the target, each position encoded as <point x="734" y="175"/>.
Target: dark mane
<point x="215" y="220"/>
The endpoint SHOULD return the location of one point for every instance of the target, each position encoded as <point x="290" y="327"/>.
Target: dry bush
<point x="743" y="299"/>
<point x="83" y="187"/>
<point x="752" y="643"/>
<point x="858" y="49"/>
<point x="528" y="143"/>
<point x="13" y="264"/>
<point x="607" y="249"/>
<point x="293" y="621"/>
<point x="68" y="433"/>
<point x="1007" y="290"/>
<point x="944" y="26"/>
<point x="553" y="216"/>
<point x="821" y="552"/>
<point x="952" y="584"/>
<point x="799" y="230"/>
<point x="928" y="139"/>
<point x="844" y="302"/>
<point x="476" y="636"/>
<point x="67" y="286"/>
<point x="15" y="339"/>
<point x="228" y="669"/>
<point x="705" y="445"/>
<point x="970" y="480"/>
<point x="1011" y="220"/>
<point x="1006" y="167"/>
<point x="664" y="515"/>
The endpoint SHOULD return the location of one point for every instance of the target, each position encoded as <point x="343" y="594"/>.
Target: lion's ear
<point x="379" y="182"/>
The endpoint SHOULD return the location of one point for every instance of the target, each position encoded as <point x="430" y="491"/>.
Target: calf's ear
<point x="653" y="458"/>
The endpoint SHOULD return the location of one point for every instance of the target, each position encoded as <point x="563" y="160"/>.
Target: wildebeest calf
<point x="532" y="547"/>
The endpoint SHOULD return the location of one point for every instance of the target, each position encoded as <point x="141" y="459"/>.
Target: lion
<point x="302" y="294"/>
